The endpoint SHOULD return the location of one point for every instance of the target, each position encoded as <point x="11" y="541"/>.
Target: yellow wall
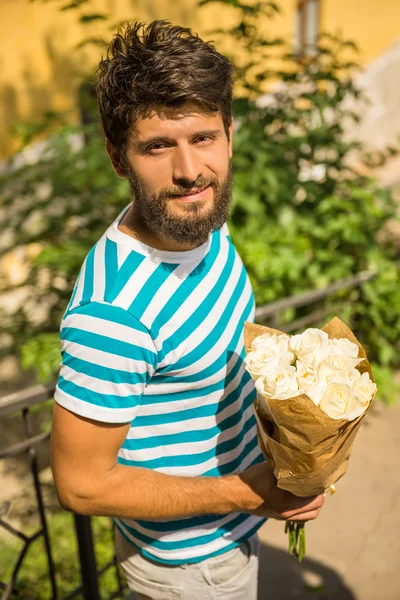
<point x="373" y="24"/>
<point x="39" y="64"/>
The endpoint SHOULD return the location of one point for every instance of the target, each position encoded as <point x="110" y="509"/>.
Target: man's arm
<point x="90" y="481"/>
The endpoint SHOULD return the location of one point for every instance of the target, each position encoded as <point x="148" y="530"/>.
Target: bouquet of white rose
<point x="313" y="390"/>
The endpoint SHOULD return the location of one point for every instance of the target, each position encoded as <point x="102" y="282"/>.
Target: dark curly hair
<point x="159" y="64"/>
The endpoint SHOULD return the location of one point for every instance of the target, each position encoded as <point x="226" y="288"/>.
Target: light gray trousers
<point x="229" y="576"/>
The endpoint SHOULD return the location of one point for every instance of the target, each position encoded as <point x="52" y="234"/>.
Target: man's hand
<point x="262" y="497"/>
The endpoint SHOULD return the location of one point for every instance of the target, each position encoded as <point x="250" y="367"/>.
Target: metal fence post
<point x="87" y="557"/>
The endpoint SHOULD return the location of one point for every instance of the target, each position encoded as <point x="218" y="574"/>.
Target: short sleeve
<point x="108" y="358"/>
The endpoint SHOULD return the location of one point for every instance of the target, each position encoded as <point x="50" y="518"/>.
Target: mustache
<point x="200" y="184"/>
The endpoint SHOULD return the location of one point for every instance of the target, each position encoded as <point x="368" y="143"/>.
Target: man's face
<point x="177" y="163"/>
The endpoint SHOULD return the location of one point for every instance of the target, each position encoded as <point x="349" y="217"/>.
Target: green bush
<point x="302" y="216"/>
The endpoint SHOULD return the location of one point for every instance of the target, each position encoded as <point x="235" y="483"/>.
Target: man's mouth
<point x="193" y="196"/>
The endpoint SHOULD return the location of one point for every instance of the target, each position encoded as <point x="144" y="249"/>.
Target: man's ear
<point x="116" y="160"/>
<point x="230" y="139"/>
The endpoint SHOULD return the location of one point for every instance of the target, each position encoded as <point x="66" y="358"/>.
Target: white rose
<point x="279" y="383"/>
<point x="345" y="346"/>
<point x="335" y="362"/>
<point x="364" y="388"/>
<point x="339" y="401"/>
<point x="347" y="377"/>
<point x="271" y="340"/>
<point x="259" y="362"/>
<point x="310" y="380"/>
<point x="353" y="375"/>
<point x="268" y="351"/>
<point x="310" y="345"/>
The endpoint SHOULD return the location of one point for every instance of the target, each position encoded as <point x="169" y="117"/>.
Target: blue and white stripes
<point x="156" y="339"/>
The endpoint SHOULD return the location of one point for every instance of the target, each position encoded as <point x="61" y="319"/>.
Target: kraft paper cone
<point x="307" y="450"/>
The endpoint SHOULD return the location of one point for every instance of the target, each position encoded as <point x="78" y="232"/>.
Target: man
<point x="153" y="423"/>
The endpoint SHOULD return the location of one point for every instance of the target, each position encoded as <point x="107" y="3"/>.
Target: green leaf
<point x="93" y="17"/>
<point x="388" y="387"/>
<point x="73" y="5"/>
<point x="43" y="354"/>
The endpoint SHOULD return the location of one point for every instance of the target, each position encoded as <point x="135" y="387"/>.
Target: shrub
<point x="302" y="215"/>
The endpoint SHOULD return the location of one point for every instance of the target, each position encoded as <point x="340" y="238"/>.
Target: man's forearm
<point x="134" y="492"/>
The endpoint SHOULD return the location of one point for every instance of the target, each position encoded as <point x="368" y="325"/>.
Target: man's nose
<point x="186" y="167"/>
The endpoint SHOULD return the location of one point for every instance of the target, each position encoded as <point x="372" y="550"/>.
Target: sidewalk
<point x="353" y="548"/>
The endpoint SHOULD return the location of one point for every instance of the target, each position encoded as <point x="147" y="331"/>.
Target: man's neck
<point x="133" y="225"/>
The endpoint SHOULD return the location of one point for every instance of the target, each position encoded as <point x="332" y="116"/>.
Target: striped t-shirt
<point x="155" y="338"/>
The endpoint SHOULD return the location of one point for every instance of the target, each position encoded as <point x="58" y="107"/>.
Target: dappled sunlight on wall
<point x="41" y="67"/>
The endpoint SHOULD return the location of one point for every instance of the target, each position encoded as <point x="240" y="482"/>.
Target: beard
<point x="196" y="223"/>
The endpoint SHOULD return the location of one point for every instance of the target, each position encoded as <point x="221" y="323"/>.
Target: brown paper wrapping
<point x="307" y="450"/>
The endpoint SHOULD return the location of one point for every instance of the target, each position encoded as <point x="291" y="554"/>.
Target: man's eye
<point x="155" y="148"/>
<point x="203" y="138"/>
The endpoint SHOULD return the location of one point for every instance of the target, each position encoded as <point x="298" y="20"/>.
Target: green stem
<point x="296" y="538"/>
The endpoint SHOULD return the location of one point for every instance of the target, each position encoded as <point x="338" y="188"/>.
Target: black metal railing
<point x="23" y="402"/>
<point x="270" y="312"/>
